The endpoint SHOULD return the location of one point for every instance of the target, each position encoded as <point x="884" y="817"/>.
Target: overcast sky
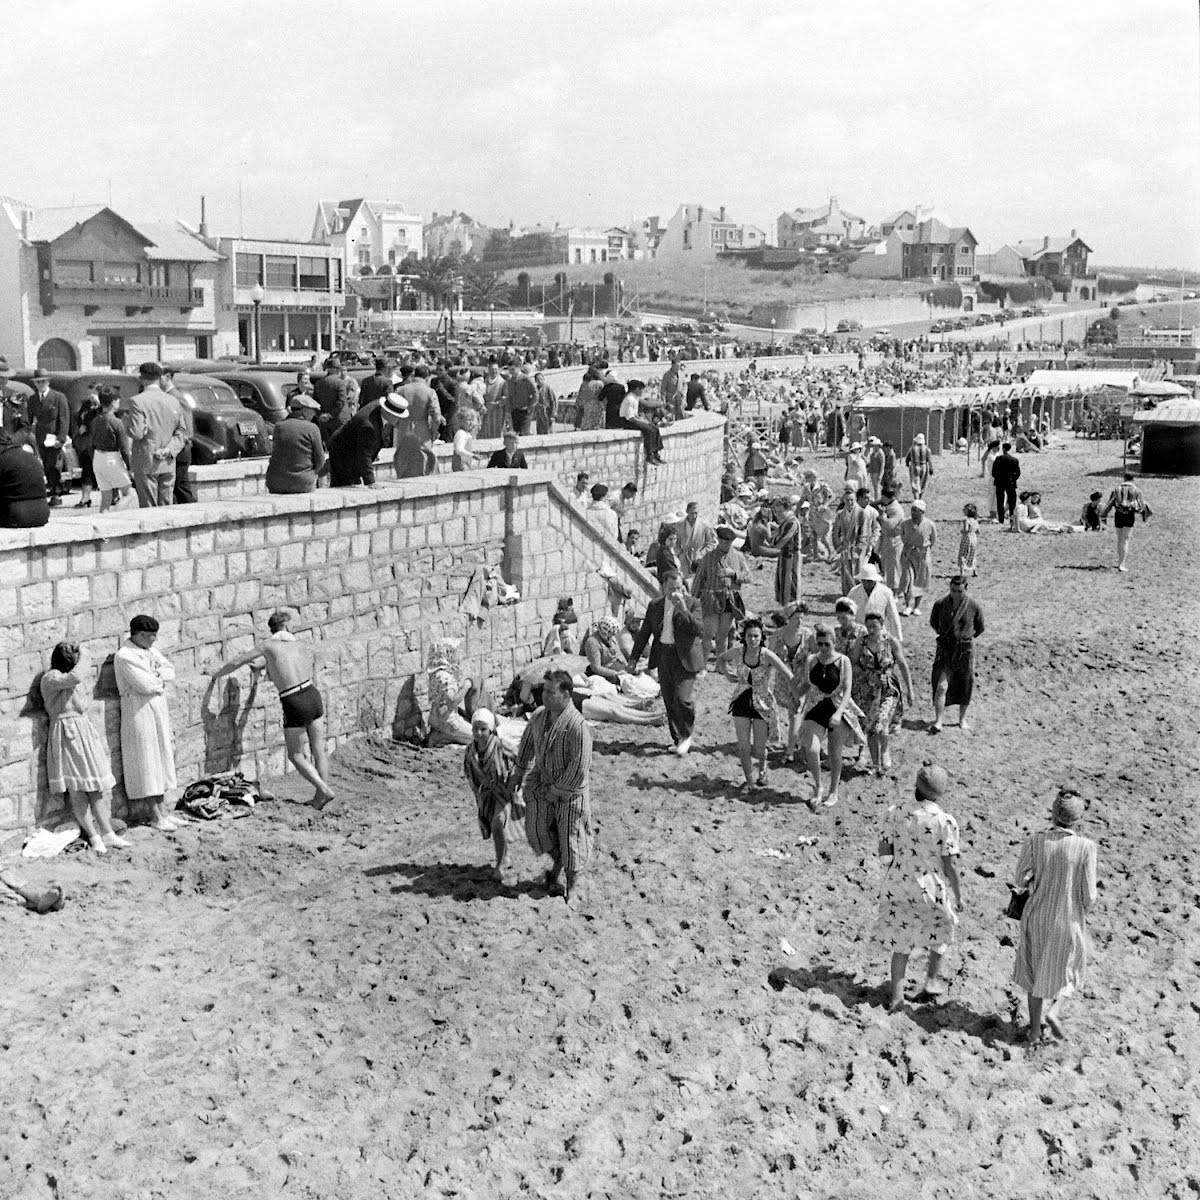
<point x="1018" y="117"/>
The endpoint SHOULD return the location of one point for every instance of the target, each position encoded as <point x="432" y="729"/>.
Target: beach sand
<point x="344" y="1005"/>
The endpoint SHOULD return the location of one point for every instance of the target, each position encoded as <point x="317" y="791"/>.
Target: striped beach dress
<point x="1059" y="867"/>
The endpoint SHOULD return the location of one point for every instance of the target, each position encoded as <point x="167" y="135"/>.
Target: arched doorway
<point x="56" y="355"/>
<point x="1084" y="294"/>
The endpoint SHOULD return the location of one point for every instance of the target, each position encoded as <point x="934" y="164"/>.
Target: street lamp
<point x="772" y="335"/>
<point x="445" y="330"/>
<point x="492" y="321"/>
<point x="257" y="295"/>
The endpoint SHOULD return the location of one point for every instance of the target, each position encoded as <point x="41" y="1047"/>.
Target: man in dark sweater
<point x="355" y="446"/>
<point x="512" y="457"/>
<point x="297" y="452"/>
<point x="376" y="386"/>
<point x="23" y="502"/>
<point x="611" y="396"/>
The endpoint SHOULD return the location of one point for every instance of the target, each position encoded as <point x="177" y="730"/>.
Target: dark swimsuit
<point x="825" y="677"/>
<point x="301" y="705"/>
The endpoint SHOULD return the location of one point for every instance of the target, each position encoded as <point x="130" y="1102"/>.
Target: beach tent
<point x="1171" y="437"/>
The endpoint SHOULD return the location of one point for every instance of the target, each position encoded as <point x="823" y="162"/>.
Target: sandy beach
<point x="344" y="1005"/>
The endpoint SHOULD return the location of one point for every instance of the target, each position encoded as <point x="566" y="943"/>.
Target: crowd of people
<point x="841" y="684"/>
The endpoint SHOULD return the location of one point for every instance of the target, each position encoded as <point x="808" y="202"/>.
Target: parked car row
<point x="225" y="428"/>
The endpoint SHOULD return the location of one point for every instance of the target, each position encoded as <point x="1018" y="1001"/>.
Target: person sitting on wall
<point x="23" y="500"/>
<point x="297" y="452"/>
<point x="354" y="446"/>
<point x="512" y="457"/>
<point x="630" y="419"/>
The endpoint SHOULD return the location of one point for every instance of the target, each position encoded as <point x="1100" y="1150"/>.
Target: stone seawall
<point x="374" y="574"/>
<point x="612" y="456"/>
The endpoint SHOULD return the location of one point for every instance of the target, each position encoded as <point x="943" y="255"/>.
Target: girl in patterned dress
<point x="753" y="708"/>
<point x="968" y="541"/>
<point x="76" y="757"/>
<point x="920" y="890"/>
<point x="882" y="686"/>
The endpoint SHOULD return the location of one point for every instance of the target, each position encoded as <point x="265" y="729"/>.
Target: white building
<point x="303" y="294"/>
<point x="369" y="233"/>
<point x="86" y="287"/>
<point x="701" y="233"/>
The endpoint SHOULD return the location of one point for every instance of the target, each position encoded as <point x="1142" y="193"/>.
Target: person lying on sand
<point x="289" y="666"/>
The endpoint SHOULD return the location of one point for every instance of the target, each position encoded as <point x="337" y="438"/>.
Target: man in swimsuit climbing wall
<point x="289" y="666"/>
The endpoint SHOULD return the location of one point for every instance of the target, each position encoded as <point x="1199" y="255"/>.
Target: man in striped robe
<point x="554" y="761"/>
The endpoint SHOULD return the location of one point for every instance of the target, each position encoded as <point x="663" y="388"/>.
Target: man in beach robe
<point x="958" y="621"/>
<point x="554" y="763"/>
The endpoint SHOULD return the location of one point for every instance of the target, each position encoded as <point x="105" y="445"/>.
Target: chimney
<point x="1045" y="241"/>
<point x="721" y="215"/>
<point x="699" y="212"/>
<point x="1074" y="234"/>
<point x="203" y="218"/>
<point x="24" y="224"/>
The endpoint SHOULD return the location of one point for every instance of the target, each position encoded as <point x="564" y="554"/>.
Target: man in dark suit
<point x="376" y="386"/>
<point x="512" y="457"/>
<point x="1006" y="470"/>
<point x="50" y="415"/>
<point x="677" y="650"/>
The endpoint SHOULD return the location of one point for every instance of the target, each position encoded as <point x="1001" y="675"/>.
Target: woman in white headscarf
<point x="489" y="768"/>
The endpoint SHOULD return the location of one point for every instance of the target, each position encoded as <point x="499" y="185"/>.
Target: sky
<point x="1017" y="118"/>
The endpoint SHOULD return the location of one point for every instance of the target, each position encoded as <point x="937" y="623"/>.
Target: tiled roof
<point x="171" y="240"/>
<point x="165" y="240"/>
<point x="1036" y="247"/>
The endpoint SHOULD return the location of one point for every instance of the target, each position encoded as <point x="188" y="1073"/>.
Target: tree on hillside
<point x="483" y="288"/>
<point x="438" y="278"/>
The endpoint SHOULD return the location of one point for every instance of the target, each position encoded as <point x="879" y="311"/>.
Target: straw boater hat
<point x="393" y="407"/>
<point x="873" y="441"/>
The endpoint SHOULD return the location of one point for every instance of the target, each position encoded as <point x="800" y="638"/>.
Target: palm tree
<point x="438" y="278"/>
<point x="483" y="289"/>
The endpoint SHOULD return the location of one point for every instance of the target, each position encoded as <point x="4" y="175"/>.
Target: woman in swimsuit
<point x="827" y="710"/>
<point x="753" y="708"/>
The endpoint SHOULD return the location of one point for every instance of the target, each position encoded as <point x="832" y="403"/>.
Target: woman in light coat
<point x="147" y="744"/>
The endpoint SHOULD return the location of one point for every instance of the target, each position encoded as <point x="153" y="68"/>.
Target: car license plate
<point x="247" y="428"/>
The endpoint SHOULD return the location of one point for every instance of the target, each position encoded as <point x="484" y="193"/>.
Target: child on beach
<point x="821" y="517"/>
<point x="756" y="463"/>
<point x="489" y="768"/>
<point x="76" y="757"/>
<point x="1090" y="518"/>
<point x="968" y="542"/>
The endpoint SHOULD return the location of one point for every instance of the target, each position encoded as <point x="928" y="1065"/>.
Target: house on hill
<point x="829" y="225"/>
<point x="699" y="232"/>
<point x="1052" y="257"/>
<point x="369" y="233"/>
<point x="454" y="233"/>
<point x="932" y="250"/>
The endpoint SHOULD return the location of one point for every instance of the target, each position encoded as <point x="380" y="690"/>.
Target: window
<point x="120" y="273"/>
<point x="964" y="249"/>
<point x="67" y="271"/>
<point x="336" y="265"/>
<point x="160" y="275"/>
<point x="963" y="271"/>
<point x="248" y="269"/>
<point x="392" y="257"/>
<point x="364" y="256"/>
<point x="314" y="274"/>
<point x="578" y="255"/>
<point x="280" y="272"/>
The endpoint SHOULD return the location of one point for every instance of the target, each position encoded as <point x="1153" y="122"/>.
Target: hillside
<point x="731" y="291"/>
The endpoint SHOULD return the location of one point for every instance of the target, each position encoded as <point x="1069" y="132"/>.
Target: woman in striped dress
<point x="1058" y="867"/>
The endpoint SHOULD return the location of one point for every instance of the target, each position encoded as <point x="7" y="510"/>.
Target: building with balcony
<point x="701" y="233"/>
<point x="931" y="250"/>
<point x="303" y="292"/>
<point x="369" y="233"/>
<point x="86" y="287"/>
